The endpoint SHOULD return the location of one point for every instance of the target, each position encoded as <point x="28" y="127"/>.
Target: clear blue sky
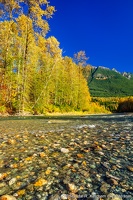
<point x="101" y="28"/>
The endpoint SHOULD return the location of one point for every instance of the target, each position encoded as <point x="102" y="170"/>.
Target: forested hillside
<point x="104" y="82"/>
<point x="34" y="75"/>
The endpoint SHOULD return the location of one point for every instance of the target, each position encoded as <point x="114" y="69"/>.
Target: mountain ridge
<point x="105" y="82"/>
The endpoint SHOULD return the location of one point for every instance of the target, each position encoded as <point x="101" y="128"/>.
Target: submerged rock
<point x="104" y="188"/>
<point x="113" y="196"/>
<point x="7" y="197"/>
<point x="68" y="161"/>
<point x="64" y="150"/>
<point x="4" y="188"/>
<point x="130" y="168"/>
<point x="72" y="187"/>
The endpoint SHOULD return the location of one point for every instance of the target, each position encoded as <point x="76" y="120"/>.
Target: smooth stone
<point x="64" y="196"/>
<point x="12" y="181"/>
<point x="104" y="188"/>
<point x="94" y="196"/>
<point x="4" y="189"/>
<point x="130" y="168"/>
<point x="89" y="180"/>
<point x="92" y="166"/>
<point x="55" y="197"/>
<point x="7" y="197"/>
<point x="72" y="196"/>
<point x="64" y="150"/>
<point x="113" y="196"/>
<point x="113" y="181"/>
<point x="71" y="187"/>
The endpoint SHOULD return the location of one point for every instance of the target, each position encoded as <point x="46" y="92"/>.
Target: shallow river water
<point x="67" y="157"/>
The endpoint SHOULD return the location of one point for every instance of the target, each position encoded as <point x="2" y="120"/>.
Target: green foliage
<point x="115" y="104"/>
<point x="36" y="78"/>
<point x="108" y="83"/>
<point x="3" y="109"/>
<point x="109" y="103"/>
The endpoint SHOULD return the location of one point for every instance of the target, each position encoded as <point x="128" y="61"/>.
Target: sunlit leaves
<point x="37" y="10"/>
<point x="52" y="46"/>
<point x="34" y="75"/>
<point x="9" y="8"/>
<point x="80" y="58"/>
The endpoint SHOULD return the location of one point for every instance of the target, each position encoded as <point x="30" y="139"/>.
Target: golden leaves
<point x="50" y="11"/>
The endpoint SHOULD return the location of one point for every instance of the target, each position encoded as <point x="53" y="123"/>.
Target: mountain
<point x="104" y="82"/>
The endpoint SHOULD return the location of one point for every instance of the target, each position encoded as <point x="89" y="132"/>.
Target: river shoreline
<point x="72" y="157"/>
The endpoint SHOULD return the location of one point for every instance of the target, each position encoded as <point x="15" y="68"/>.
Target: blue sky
<point x="101" y="28"/>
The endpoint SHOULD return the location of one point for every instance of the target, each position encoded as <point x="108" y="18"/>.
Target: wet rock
<point x="64" y="196"/>
<point x="130" y="168"/>
<point x="106" y="165"/>
<point x="111" y="176"/>
<point x="72" y="187"/>
<point x="42" y="154"/>
<point x="42" y="160"/>
<point x="55" y="197"/>
<point x="7" y="197"/>
<point x="40" y="182"/>
<point x="113" y="181"/>
<point x="104" y="188"/>
<point x="92" y="166"/>
<point x="4" y="189"/>
<point x="72" y="196"/>
<point x="12" y="181"/>
<point x="11" y="141"/>
<point x="2" y="176"/>
<point x="64" y="150"/>
<point x="113" y="196"/>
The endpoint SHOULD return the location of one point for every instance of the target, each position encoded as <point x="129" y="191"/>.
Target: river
<point x="67" y="157"/>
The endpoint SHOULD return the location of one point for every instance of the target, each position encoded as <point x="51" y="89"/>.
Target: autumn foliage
<point x="125" y="105"/>
<point x="34" y="76"/>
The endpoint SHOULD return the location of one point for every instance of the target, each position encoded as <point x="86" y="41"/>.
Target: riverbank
<point x="71" y="158"/>
<point x="53" y="114"/>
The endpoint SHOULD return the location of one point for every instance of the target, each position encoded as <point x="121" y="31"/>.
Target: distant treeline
<point x="34" y="76"/>
<point x="115" y="104"/>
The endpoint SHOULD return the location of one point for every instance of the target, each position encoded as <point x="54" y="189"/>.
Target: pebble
<point x="64" y="150"/>
<point x="113" y="196"/>
<point x="72" y="187"/>
<point x="104" y="188"/>
<point x="55" y="197"/>
<point x="12" y="181"/>
<point x="130" y="168"/>
<point x="69" y="160"/>
<point x="7" y="197"/>
<point x="113" y="181"/>
<point x="4" y="189"/>
<point x="64" y="196"/>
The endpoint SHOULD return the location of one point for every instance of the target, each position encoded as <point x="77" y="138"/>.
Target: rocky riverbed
<point x="87" y="157"/>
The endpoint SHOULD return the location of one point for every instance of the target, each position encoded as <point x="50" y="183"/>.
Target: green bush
<point x="2" y="109"/>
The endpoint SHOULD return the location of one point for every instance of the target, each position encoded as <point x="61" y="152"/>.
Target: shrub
<point x="126" y="105"/>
